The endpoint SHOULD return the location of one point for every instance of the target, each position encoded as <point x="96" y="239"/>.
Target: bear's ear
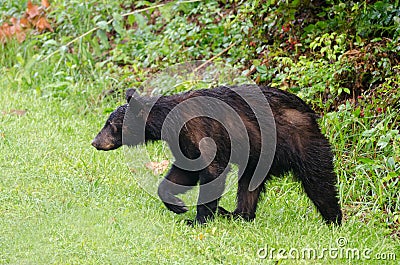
<point x="136" y="102"/>
<point x="130" y="93"/>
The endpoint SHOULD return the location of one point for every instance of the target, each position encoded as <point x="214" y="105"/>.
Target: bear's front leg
<point x="247" y="200"/>
<point x="177" y="181"/>
<point x="212" y="184"/>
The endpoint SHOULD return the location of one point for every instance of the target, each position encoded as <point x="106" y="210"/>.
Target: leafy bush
<point x="380" y="19"/>
<point x="367" y="149"/>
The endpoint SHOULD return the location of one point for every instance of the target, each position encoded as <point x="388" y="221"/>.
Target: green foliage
<point x="370" y="136"/>
<point x="9" y="8"/>
<point x="64" y="202"/>
<point x="380" y="19"/>
<point x="187" y="32"/>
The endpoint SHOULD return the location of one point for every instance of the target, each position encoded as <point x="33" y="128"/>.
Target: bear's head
<point x="111" y="135"/>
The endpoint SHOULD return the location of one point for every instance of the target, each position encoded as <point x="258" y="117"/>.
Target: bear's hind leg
<point x="319" y="182"/>
<point x="177" y="181"/>
<point x="323" y="194"/>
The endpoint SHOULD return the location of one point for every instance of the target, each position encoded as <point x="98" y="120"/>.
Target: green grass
<point x="63" y="202"/>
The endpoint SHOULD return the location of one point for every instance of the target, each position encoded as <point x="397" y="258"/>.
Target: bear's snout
<point x="96" y="144"/>
<point x="100" y="144"/>
<point x="103" y="147"/>
<point x="104" y="144"/>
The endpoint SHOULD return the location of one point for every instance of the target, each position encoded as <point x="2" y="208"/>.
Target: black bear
<point x="223" y="125"/>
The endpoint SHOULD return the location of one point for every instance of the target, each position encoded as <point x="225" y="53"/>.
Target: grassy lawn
<point x="63" y="202"/>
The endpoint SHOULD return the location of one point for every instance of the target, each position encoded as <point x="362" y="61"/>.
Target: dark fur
<point x="300" y="149"/>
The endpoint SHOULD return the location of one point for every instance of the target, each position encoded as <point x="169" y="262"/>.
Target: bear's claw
<point x="178" y="206"/>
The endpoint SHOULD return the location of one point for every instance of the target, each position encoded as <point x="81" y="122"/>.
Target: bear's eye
<point x="114" y="127"/>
